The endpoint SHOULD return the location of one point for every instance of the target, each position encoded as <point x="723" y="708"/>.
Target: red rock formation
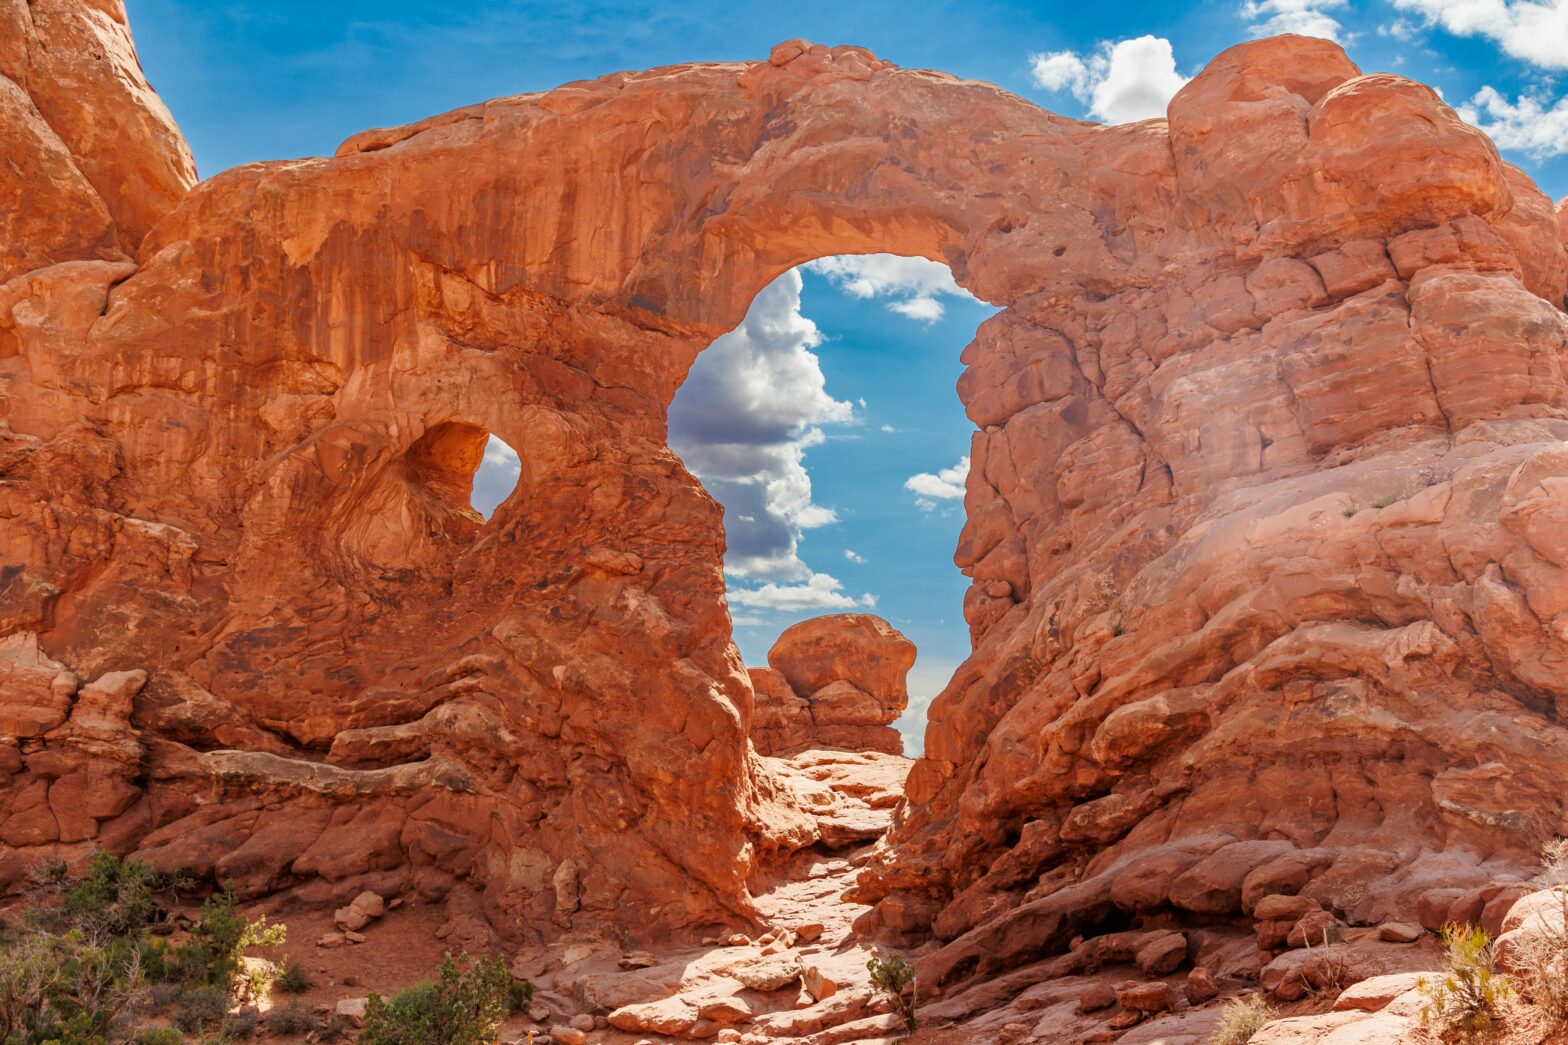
<point x="1264" y="517"/>
<point x="95" y="157"/>
<point x="780" y="717"/>
<point x="835" y="681"/>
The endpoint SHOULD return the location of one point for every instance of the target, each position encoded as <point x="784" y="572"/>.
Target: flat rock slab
<point x="1375" y="993"/>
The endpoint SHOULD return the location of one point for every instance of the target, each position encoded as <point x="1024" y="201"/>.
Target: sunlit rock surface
<point x="1266" y="518"/>
<point x="836" y="681"/>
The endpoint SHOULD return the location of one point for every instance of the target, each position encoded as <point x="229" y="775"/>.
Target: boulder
<point x="1400" y="932"/>
<point x="764" y="972"/>
<point x="361" y="911"/>
<point x="1201" y="985"/>
<point x="731" y="1009"/>
<point x="1096" y="996"/>
<point x="1154" y="996"/>
<point x="860" y="649"/>
<point x="352" y="1009"/>
<point x="1162" y="955"/>
<point x="1376" y="992"/>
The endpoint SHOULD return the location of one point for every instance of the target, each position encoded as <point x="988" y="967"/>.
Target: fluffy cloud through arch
<point x="751" y="407"/>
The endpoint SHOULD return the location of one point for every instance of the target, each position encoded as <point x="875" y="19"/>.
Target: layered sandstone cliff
<point x="1266" y="519"/>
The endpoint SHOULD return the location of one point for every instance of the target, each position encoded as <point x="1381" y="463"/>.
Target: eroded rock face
<point x="1264" y="516"/>
<point x="95" y="157"/>
<point x="836" y="682"/>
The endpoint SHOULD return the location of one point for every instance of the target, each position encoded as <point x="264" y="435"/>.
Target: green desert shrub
<point x="293" y="979"/>
<point x="218" y="941"/>
<point x="77" y="968"/>
<point x="896" y="978"/>
<point x="82" y="966"/>
<point x="1465" y="999"/>
<point x="114" y="899"/>
<point x="28" y="977"/>
<point x="291" y="1018"/>
<point x="464" y="1005"/>
<point x="201" y="1008"/>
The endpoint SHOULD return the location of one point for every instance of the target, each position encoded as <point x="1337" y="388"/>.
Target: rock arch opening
<point x="462" y="473"/>
<point x="496" y="477"/>
<point x="422" y="507"/>
<point x="827" y="425"/>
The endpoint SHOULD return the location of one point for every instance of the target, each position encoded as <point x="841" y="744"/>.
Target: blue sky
<point x="828" y="423"/>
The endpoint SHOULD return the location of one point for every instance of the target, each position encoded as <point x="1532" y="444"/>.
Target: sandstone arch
<point x="1308" y="291"/>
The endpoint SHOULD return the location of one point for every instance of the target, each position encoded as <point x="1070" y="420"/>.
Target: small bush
<point x="518" y="994"/>
<point x="293" y="979"/>
<point x="1240" y="1020"/>
<point x="1540" y="957"/>
<point x="462" y="1006"/>
<point x="201" y="1007"/>
<point x="292" y="1018"/>
<point x="66" y="987"/>
<point x="1383" y="501"/>
<point x="1323" y="973"/>
<point x="333" y="1028"/>
<point x="162" y="995"/>
<point x="114" y="899"/>
<point x="218" y="941"/>
<point x="84" y="965"/>
<point x="242" y="1024"/>
<point x="1465" y="1000"/>
<point x="49" y="876"/>
<point x="29" y="973"/>
<point x="893" y="976"/>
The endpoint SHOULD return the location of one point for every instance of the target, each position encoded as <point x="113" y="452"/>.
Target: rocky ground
<point x="804" y="982"/>
<point x="802" y="978"/>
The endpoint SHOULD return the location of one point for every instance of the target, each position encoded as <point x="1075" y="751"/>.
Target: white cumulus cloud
<point x="496" y="478"/>
<point x="819" y="592"/>
<point x="1531" y="30"/>
<point x="946" y="484"/>
<point x="1303" y="17"/>
<point x="752" y="405"/>
<point x="927" y="310"/>
<point x="915" y="284"/>
<point x="1119" y="82"/>
<point x="1529" y="125"/>
<point x="853" y="556"/>
<point x="1399" y="29"/>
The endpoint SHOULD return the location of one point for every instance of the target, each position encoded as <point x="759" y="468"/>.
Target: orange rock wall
<point x="1265" y="518"/>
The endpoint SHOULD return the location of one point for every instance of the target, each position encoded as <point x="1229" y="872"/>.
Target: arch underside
<point x="1264" y="518"/>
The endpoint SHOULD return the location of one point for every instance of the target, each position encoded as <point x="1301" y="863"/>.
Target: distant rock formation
<point x="836" y="682"/>
<point x="1266" y="518"/>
